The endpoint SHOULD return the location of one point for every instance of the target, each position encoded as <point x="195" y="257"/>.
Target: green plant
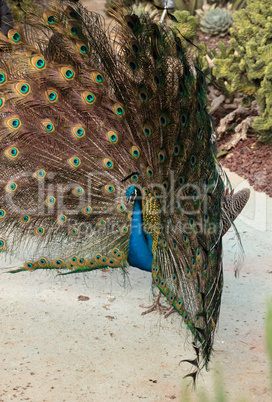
<point x="216" y="22"/>
<point x="246" y="66"/>
<point x="186" y="24"/>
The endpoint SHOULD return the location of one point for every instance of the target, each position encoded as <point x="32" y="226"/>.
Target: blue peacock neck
<point x="140" y="242"/>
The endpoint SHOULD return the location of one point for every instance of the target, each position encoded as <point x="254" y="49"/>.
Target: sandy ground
<point x="55" y="347"/>
<point x="58" y="348"/>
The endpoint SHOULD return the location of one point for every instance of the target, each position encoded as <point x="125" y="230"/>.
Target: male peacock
<point x="94" y="124"/>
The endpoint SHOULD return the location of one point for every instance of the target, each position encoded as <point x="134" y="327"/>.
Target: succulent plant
<point x="216" y="22"/>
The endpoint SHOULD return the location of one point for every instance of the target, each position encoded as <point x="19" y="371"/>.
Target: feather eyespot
<point x="74" y="30"/>
<point x="78" y="131"/>
<point x="109" y="188"/>
<point x="112" y="137"/>
<point x="118" y="110"/>
<point x="49" y="17"/>
<point x="22" y="88"/>
<point x="14" y="36"/>
<point x="50" y="201"/>
<point x="71" y="13"/>
<point x="11" y="187"/>
<point x="12" y="152"/>
<point x="92" y="263"/>
<point x="2" y="102"/>
<point x="87" y="210"/>
<point x="121" y="207"/>
<point x="183" y="119"/>
<point x="2" y="213"/>
<point x="149" y="171"/>
<point x="174" y="278"/>
<point x="124" y="229"/>
<point x="135" y="152"/>
<point x="191" y="222"/>
<point x="132" y="63"/>
<point x="81" y="262"/>
<point x="73" y="232"/>
<point x="134" y="46"/>
<point x="135" y="178"/>
<point x="25" y="219"/>
<point x="145" y="190"/>
<point x="181" y="180"/>
<point x="185" y="316"/>
<point x="62" y="219"/>
<point x="131" y="21"/>
<point x="97" y="77"/>
<point x="29" y="266"/>
<point x="154" y="269"/>
<point x="108" y="163"/>
<point x="193" y="160"/>
<point x="13" y="123"/>
<point x="82" y="48"/>
<point x="179" y="304"/>
<point x="39" y="174"/>
<point x="143" y="95"/>
<point x="42" y="262"/>
<point x="2" y="244"/>
<point x="119" y="255"/>
<point x="74" y="259"/>
<point x="74" y="162"/>
<point x="58" y="263"/>
<point x="51" y="95"/>
<point x="147" y="130"/>
<point x="39" y="231"/>
<point x="78" y="191"/>
<point x="158" y="80"/>
<point x="38" y="62"/>
<point x="51" y="20"/>
<point x="115" y="251"/>
<point x="171" y="298"/>
<point x="88" y="97"/>
<point x="67" y="73"/>
<point x="48" y="126"/>
<point x="3" y="77"/>
<point x="162" y="284"/>
<point x="112" y="262"/>
<point x="101" y="223"/>
<point x="161" y="156"/>
<point x="164" y="120"/>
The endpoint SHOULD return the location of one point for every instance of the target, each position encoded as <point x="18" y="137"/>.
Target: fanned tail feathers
<point x="82" y="109"/>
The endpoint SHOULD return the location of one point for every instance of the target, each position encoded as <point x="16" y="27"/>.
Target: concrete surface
<point x="57" y="348"/>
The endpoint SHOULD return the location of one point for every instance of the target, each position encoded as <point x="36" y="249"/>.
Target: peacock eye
<point x="51" y="19"/>
<point x="3" y="78"/>
<point x="74" y="30"/>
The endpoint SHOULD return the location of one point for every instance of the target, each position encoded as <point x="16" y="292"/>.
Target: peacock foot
<point x="156" y="306"/>
<point x="170" y="311"/>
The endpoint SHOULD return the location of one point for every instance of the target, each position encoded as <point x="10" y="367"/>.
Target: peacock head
<point x="132" y="193"/>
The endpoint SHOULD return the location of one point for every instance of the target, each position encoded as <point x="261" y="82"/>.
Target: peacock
<point x="108" y="158"/>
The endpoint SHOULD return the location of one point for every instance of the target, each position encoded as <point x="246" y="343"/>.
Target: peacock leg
<point x="155" y="306"/>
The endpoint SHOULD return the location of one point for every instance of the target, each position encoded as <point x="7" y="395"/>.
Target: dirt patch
<point x="253" y="161"/>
